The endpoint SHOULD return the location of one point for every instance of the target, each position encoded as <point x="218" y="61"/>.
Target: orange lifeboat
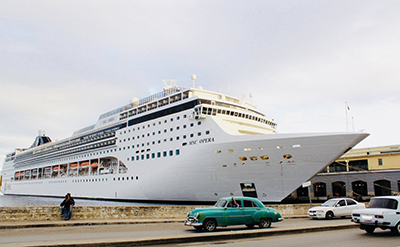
<point x="56" y="168"/>
<point x="86" y="163"/>
<point x="95" y="165"/>
<point x="74" y="165"/>
<point x="17" y="174"/>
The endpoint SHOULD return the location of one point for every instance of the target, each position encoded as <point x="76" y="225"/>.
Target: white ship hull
<point x="188" y="159"/>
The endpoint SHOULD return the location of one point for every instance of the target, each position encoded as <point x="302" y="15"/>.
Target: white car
<point x="337" y="207"/>
<point x="382" y="212"/>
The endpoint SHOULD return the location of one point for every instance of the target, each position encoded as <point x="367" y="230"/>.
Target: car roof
<point x="388" y="197"/>
<point x="239" y="198"/>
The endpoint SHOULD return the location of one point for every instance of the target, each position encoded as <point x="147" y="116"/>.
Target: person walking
<point x="66" y="206"/>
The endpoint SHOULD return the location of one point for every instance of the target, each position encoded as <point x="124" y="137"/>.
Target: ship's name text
<point x="202" y="141"/>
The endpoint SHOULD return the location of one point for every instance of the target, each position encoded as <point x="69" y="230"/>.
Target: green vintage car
<point x="230" y="211"/>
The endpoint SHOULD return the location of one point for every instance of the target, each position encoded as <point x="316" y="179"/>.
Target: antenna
<point x="193" y="79"/>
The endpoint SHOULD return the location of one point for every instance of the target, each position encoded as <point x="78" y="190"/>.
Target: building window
<point x="380" y="162"/>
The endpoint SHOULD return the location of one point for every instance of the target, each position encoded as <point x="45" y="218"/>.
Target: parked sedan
<point x="382" y="212"/>
<point x="336" y="207"/>
<point x="233" y="211"/>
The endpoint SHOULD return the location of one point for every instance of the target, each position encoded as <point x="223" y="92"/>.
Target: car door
<point x="234" y="215"/>
<point x="250" y="208"/>
<point x="351" y="205"/>
<point x="340" y="208"/>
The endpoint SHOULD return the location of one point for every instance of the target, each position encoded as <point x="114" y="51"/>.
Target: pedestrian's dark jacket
<point x="68" y="201"/>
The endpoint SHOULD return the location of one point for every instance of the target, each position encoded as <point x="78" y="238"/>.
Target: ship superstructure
<point x="182" y="144"/>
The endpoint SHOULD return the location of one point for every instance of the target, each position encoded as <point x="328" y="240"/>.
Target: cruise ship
<point x="179" y="145"/>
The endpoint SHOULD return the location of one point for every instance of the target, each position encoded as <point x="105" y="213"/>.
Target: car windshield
<point x="329" y="203"/>
<point x="383" y="203"/>
<point x="220" y="203"/>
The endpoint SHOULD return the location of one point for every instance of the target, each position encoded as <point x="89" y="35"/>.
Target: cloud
<point x="64" y="63"/>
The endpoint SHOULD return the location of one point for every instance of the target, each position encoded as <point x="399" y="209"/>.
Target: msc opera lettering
<point x="202" y="141"/>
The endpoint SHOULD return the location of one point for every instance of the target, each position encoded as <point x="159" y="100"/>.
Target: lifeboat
<point x="95" y="165"/>
<point x="56" y="168"/>
<point x="17" y="174"/>
<point x="21" y="173"/>
<point x="86" y="163"/>
<point x="74" y="165"/>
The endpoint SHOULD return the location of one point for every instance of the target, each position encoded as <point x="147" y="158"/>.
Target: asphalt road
<point x="347" y="237"/>
<point x="163" y="233"/>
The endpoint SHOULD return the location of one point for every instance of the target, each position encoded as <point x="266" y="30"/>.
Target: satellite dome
<point x="134" y="101"/>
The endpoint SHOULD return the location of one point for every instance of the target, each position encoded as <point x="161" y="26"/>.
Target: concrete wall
<point x="119" y="212"/>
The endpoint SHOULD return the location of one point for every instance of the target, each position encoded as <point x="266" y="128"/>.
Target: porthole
<point x="247" y="149"/>
<point x="243" y="158"/>
<point x="218" y="151"/>
<point x="264" y="157"/>
<point x="287" y="156"/>
<point x="230" y="150"/>
<point x="253" y="158"/>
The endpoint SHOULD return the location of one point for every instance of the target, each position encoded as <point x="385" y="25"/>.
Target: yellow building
<point x="360" y="174"/>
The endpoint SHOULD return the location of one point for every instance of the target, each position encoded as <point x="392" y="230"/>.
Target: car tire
<point x="396" y="229"/>
<point x="250" y="226"/>
<point x="369" y="229"/>
<point x="329" y="215"/>
<point x="265" y="223"/>
<point x="209" y="225"/>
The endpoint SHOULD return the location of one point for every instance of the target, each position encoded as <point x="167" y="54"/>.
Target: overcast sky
<point x="63" y="63"/>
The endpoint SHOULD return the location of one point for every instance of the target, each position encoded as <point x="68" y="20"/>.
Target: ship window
<point x="198" y="123"/>
<point x="247" y="149"/>
<point x="171" y="152"/>
<point x="165" y="154"/>
<point x="230" y="150"/>
<point x="177" y="138"/>
<point x="142" y="156"/>
<point x="153" y="155"/>
<point x="191" y="125"/>
<point x="261" y="148"/>
<point x="287" y="156"/>
<point x="264" y="157"/>
<point x="171" y="129"/>
<point x="184" y="126"/>
<point x="177" y="128"/>
<point x="177" y="152"/>
<point x="242" y="158"/>
<point x="171" y="139"/>
<point x="207" y="132"/>
<point x="184" y="136"/>
<point x="191" y="135"/>
<point x="184" y="144"/>
<point x="177" y="118"/>
<point x="199" y="134"/>
<point x="253" y="158"/>
<point x="158" y="154"/>
<point x="165" y="131"/>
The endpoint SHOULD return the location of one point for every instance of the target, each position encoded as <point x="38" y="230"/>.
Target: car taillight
<point x="379" y="216"/>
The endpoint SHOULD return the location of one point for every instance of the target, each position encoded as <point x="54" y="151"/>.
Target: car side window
<point x="350" y="202"/>
<point x="342" y="203"/>
<point x="248" y="204"/>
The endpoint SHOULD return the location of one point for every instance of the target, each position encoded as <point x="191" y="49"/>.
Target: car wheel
<point x="210" y="225"/>
<point x="265" y="223"/>
<point x="396" y="229"/>
<point x="369" y="229"/>
<point x="329" y="215"/>
<point x="250" y="226"/>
